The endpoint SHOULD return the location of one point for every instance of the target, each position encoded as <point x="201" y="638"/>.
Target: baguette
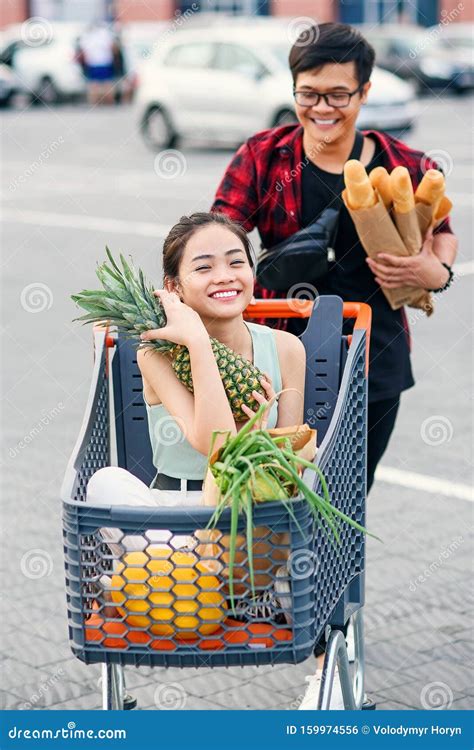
<point x="380" y="180"/>
<point x="443" y="209"/>
<point x="402" y="191"/>
<point x="360" y="193"/>
<point x="431" y="188"/>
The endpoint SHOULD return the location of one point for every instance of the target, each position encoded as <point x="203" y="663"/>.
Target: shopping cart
<point x="185" y="625"/>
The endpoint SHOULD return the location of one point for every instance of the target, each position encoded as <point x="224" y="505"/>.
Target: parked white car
<point x="139" y="40"/>
<point x="229" y="83"/>
<point x="9" y="86"/>
<point x="47" y="67"/>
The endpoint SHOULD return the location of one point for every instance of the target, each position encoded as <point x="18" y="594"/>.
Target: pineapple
<point x="128" y="302"/>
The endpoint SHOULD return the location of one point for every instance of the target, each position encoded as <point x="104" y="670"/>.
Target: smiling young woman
<point x="208" y="282"/>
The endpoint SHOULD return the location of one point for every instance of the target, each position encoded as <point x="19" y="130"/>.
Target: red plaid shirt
<point x="262" y="184"/>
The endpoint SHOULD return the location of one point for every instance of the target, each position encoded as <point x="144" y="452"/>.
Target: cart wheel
<point x="368" y="704"/>
<point x="129" y="702"/>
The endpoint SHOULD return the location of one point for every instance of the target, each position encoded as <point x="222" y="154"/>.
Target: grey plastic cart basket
<point x="325" y="582"/>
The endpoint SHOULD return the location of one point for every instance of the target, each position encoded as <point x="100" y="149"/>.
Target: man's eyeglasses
<point x="337" y="99"/>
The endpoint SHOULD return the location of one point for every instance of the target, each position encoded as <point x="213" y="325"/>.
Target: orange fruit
<point x="169" y="592"/>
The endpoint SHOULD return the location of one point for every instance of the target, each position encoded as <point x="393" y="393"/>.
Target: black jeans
<point x="381" y="416"/>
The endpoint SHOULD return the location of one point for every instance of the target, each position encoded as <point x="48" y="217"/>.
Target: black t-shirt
<point x="352" y="280"/>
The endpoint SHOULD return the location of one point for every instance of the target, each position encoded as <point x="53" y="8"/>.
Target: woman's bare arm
<point x="198" y="413"/>
<point x="207" y="409"/>
<point x="292" y="356"/>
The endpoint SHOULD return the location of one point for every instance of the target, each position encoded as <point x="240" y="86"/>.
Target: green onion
<point x="253" y="466"/>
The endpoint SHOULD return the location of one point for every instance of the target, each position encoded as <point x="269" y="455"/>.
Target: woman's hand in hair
<point x="183" y="324"/>
<point x="268" y="399"/>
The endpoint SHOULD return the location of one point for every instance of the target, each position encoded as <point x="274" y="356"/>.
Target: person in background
<point x="98" y="48"/>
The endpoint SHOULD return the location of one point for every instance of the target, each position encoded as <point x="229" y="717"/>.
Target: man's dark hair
<point x="332" y="43"/>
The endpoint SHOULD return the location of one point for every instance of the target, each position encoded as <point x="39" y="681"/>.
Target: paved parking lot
<point x="75" y="180"/>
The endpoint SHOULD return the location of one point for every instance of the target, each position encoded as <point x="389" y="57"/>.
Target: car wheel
<point x="47" y="92"/>
<point x="6" y="101"/>
<point x="284" y="117"/>
<point x="157" y="130"/>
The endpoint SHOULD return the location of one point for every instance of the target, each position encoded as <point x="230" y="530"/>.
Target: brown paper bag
<point x="270" y="550"/>
<point x="425" y="216"/>
<point x="378" y="234"/>
<point x="409" y="229"/>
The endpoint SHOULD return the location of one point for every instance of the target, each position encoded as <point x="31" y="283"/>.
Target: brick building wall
<point x="13" y="11"/>
<point x="16" y="11"/>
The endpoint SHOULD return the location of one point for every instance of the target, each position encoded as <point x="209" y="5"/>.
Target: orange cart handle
<point x="298" y="308"/>
<point x="290" y="308"/>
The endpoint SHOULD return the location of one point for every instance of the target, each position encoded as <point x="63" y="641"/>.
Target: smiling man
<point x="281" y="180"/>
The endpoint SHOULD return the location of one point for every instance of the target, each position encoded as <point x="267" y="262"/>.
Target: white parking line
<point x="124" y="226"/>
<point x="464" y="269"/>
<point x="425" y="483"/>
<point x="91" y="223"/>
